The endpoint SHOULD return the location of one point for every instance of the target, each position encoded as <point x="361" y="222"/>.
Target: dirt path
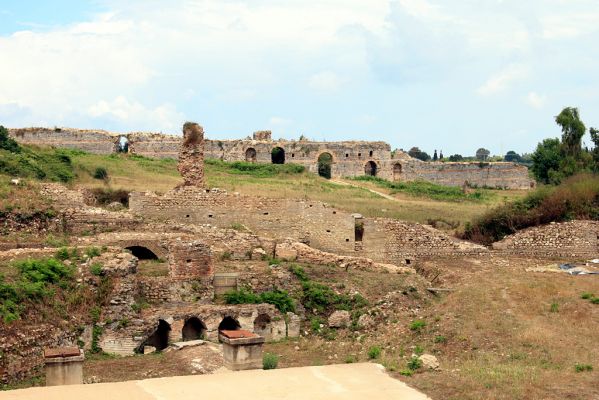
<point x="384" y="195"/>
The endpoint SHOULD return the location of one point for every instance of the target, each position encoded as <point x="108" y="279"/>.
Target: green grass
<point x="254" y="169"/>
<point x="429" y="190"/>
<point x="44" y="164"/>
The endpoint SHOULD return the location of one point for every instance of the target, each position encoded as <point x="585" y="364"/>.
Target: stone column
<point x="191" y="155"/>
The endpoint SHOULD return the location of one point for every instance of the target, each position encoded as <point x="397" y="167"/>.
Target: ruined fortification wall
<point x="480" y="174"/>
<point x="578" y="239"/>
<point x="92" y="141"/>
<point x="311" y="222"/>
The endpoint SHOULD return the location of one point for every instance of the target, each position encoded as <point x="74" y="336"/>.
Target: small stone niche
<point x="241" y="349"/>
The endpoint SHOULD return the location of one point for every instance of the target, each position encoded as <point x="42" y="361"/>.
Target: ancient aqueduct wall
<point x="349" y="158"/>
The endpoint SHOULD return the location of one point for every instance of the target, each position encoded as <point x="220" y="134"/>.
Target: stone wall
<point x="92" y="141"/>
<point x="349" y="158"/>
<point x="575" y="239"/>
<point x="310" y="222"/>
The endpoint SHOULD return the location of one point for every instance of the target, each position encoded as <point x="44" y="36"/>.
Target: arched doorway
<point x="193" y="329"/>
<point x="122" y="145"/>
<point x="229" y="324"/>
<point x="158" y="339"/>
<point x="396" y="172"/>
<point x="277" y="155"/>
<point x="370" y="168"/>
<point x="325" y="161"/>
<point x="142" y="253"/>
<point x="262" y="326"/>
<point x="250" y="155"/>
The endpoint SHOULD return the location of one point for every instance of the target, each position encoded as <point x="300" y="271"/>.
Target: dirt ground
<point x="502" y="332"/>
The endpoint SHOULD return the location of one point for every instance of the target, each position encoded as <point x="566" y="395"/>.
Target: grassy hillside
<point x="426" y="203"/>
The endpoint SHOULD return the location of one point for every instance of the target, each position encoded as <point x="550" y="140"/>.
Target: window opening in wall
<point x="325" y="162"/>
<point x="250" y="155"/>
<point x="187" y="216"/>
<point x="193" y="329"/>
<point x="359" y="154"/>
<point x="370" y="168"/>
<point x="408" y="261"/>
<point x="277" y="155"/>
<point x="328" y="231"/>
<point x="370" y="154"/>
<point x="262" y="326"/>
<point x="292" y="155"/>
<point x="358" y="229"/>
<point x="346" y="155"/>
<point x="210" y="215"/>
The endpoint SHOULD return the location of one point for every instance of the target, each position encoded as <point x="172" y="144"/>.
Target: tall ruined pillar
<point x="191" y="155"/>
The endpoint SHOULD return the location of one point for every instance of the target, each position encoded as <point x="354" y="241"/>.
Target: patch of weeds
<point x="227" y="255"/>
<point x="92" y="252"/>
<point x="390" y="365"/>
<point x="554" y="307"/>
<point x="406" y="372"/>
<point x="587" y="296"/>
<point x="96" y="269"/>
<point x="350" y="359"/>
<point x="595" y="300"/>
<point x="315" y="323"/>
<point x="62" y="254"/>
<point x="417" y="325"/>
<point x="583" y="367"/>
<point x="440" y="339"/>
<point x="270" y="361"/>
<point x="419" y="350"/>
<point x="374" y="352"/>
<point x="414" y="364"/>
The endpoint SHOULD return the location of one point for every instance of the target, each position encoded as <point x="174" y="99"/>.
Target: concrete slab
<point x="344" y="381"/>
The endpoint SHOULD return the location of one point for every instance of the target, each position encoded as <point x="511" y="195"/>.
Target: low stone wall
<point x="575" y="239"/>
<point x="92" y="141"/>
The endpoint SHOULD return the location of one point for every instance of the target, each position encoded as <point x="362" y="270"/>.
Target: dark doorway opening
<point x="358" y="229"/>
<point x="370" y="168"/>
<point x="278" y="155"/>
<point x="142" y="253"/>
<point x="229" y="324"/>
<point x="325" y="162"/>
<point x="122" y="145"/>
<point x="159" y="339"/>
<point x="250" y="155"/>
<point x="193" y="329"/>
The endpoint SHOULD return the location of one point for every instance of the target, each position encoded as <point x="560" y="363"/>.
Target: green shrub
<point x="414" y="363"/>
<point x="583" y="367"/>
<point x="8" y="143"/>
<point x="586" y="296"/>
<point x="595" y="300"/>
<point x="350" y="359"/>
<point x="406" y="372"/>
<point x="62" y="254"/>
<point x="270" y="361"/>
<point x="554" y="307"/>
<point x="96" y="269"/>
<point x="418" y="350"/>
<point x="440" y="339"/>
<point x="417" y="325"/>
<point x="92" y="252"/>
<point x="94" y="314"/>
<point x="95" y="345"/>
<point x="315" y="323"/>
<point x="29" y="162"/>
<point x="100" y="173"/>
<point x="279" y="298"/>
<point x="374" y="352"/>
<point x="299" y="272"/>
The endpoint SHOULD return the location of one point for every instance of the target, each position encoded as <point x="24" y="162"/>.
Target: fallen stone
<point x="429" y="361"/>
<point x="339" y="319"/>
<point x="189" y="343"/>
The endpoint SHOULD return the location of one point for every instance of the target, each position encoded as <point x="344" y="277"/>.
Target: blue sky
<point x="450" y="75"/>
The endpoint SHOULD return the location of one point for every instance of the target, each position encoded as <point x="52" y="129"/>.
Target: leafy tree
<point x="546" y="161"/>
<point x="595" y="152"/>
<point x="435" y="156"/>
<point x="573" y="130"/>
<point x="456" y="157"/>
<point x="8" y="143"/>
<point x="419" y="154"/>
<point x="512" y="156"/>
<point x="441" y="155"/>
<point x="482" y="154"/>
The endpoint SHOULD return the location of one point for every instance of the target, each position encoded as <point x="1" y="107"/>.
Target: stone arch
<point x="277" y="155"/>
<point x="122" y="144"/>
<point x="397" y="169"/>
<point x="370" y="168"/>
<point x="263" y="326"/>
<point x="325" y="163"/>
<point x="229" y="323"/>
<point x="142" y="252"/>
<point x="250" y="154"/>
<point x="159" y="338"/>
<point x="193" y="329"/>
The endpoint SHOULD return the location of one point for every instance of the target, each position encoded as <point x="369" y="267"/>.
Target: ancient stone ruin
<point x="191" y="155"/>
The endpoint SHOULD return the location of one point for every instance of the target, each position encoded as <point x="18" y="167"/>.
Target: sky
<point x="447" y="75"/>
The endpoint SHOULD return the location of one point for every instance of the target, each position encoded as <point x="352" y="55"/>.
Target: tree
<point x="435" y="156"/>
<point x="441" y="155"/>
<point x="482" y="154"/>
<point x="512" y="156"/>
<point x="573" y="130"/>
<point x="456" y="157"/>
<point x="8" y="143"/>
<point x="546" y="161"/>
<point x="419" y="154"/>
<point x="595" y="152"/>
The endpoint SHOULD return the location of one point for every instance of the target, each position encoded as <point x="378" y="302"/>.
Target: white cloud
<point x="569" y="25"/>
<point x="325" y="81"/>
<point x="502" y="80"/>
<point x="134" y="115"/>
<point x="536" y="100"/>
